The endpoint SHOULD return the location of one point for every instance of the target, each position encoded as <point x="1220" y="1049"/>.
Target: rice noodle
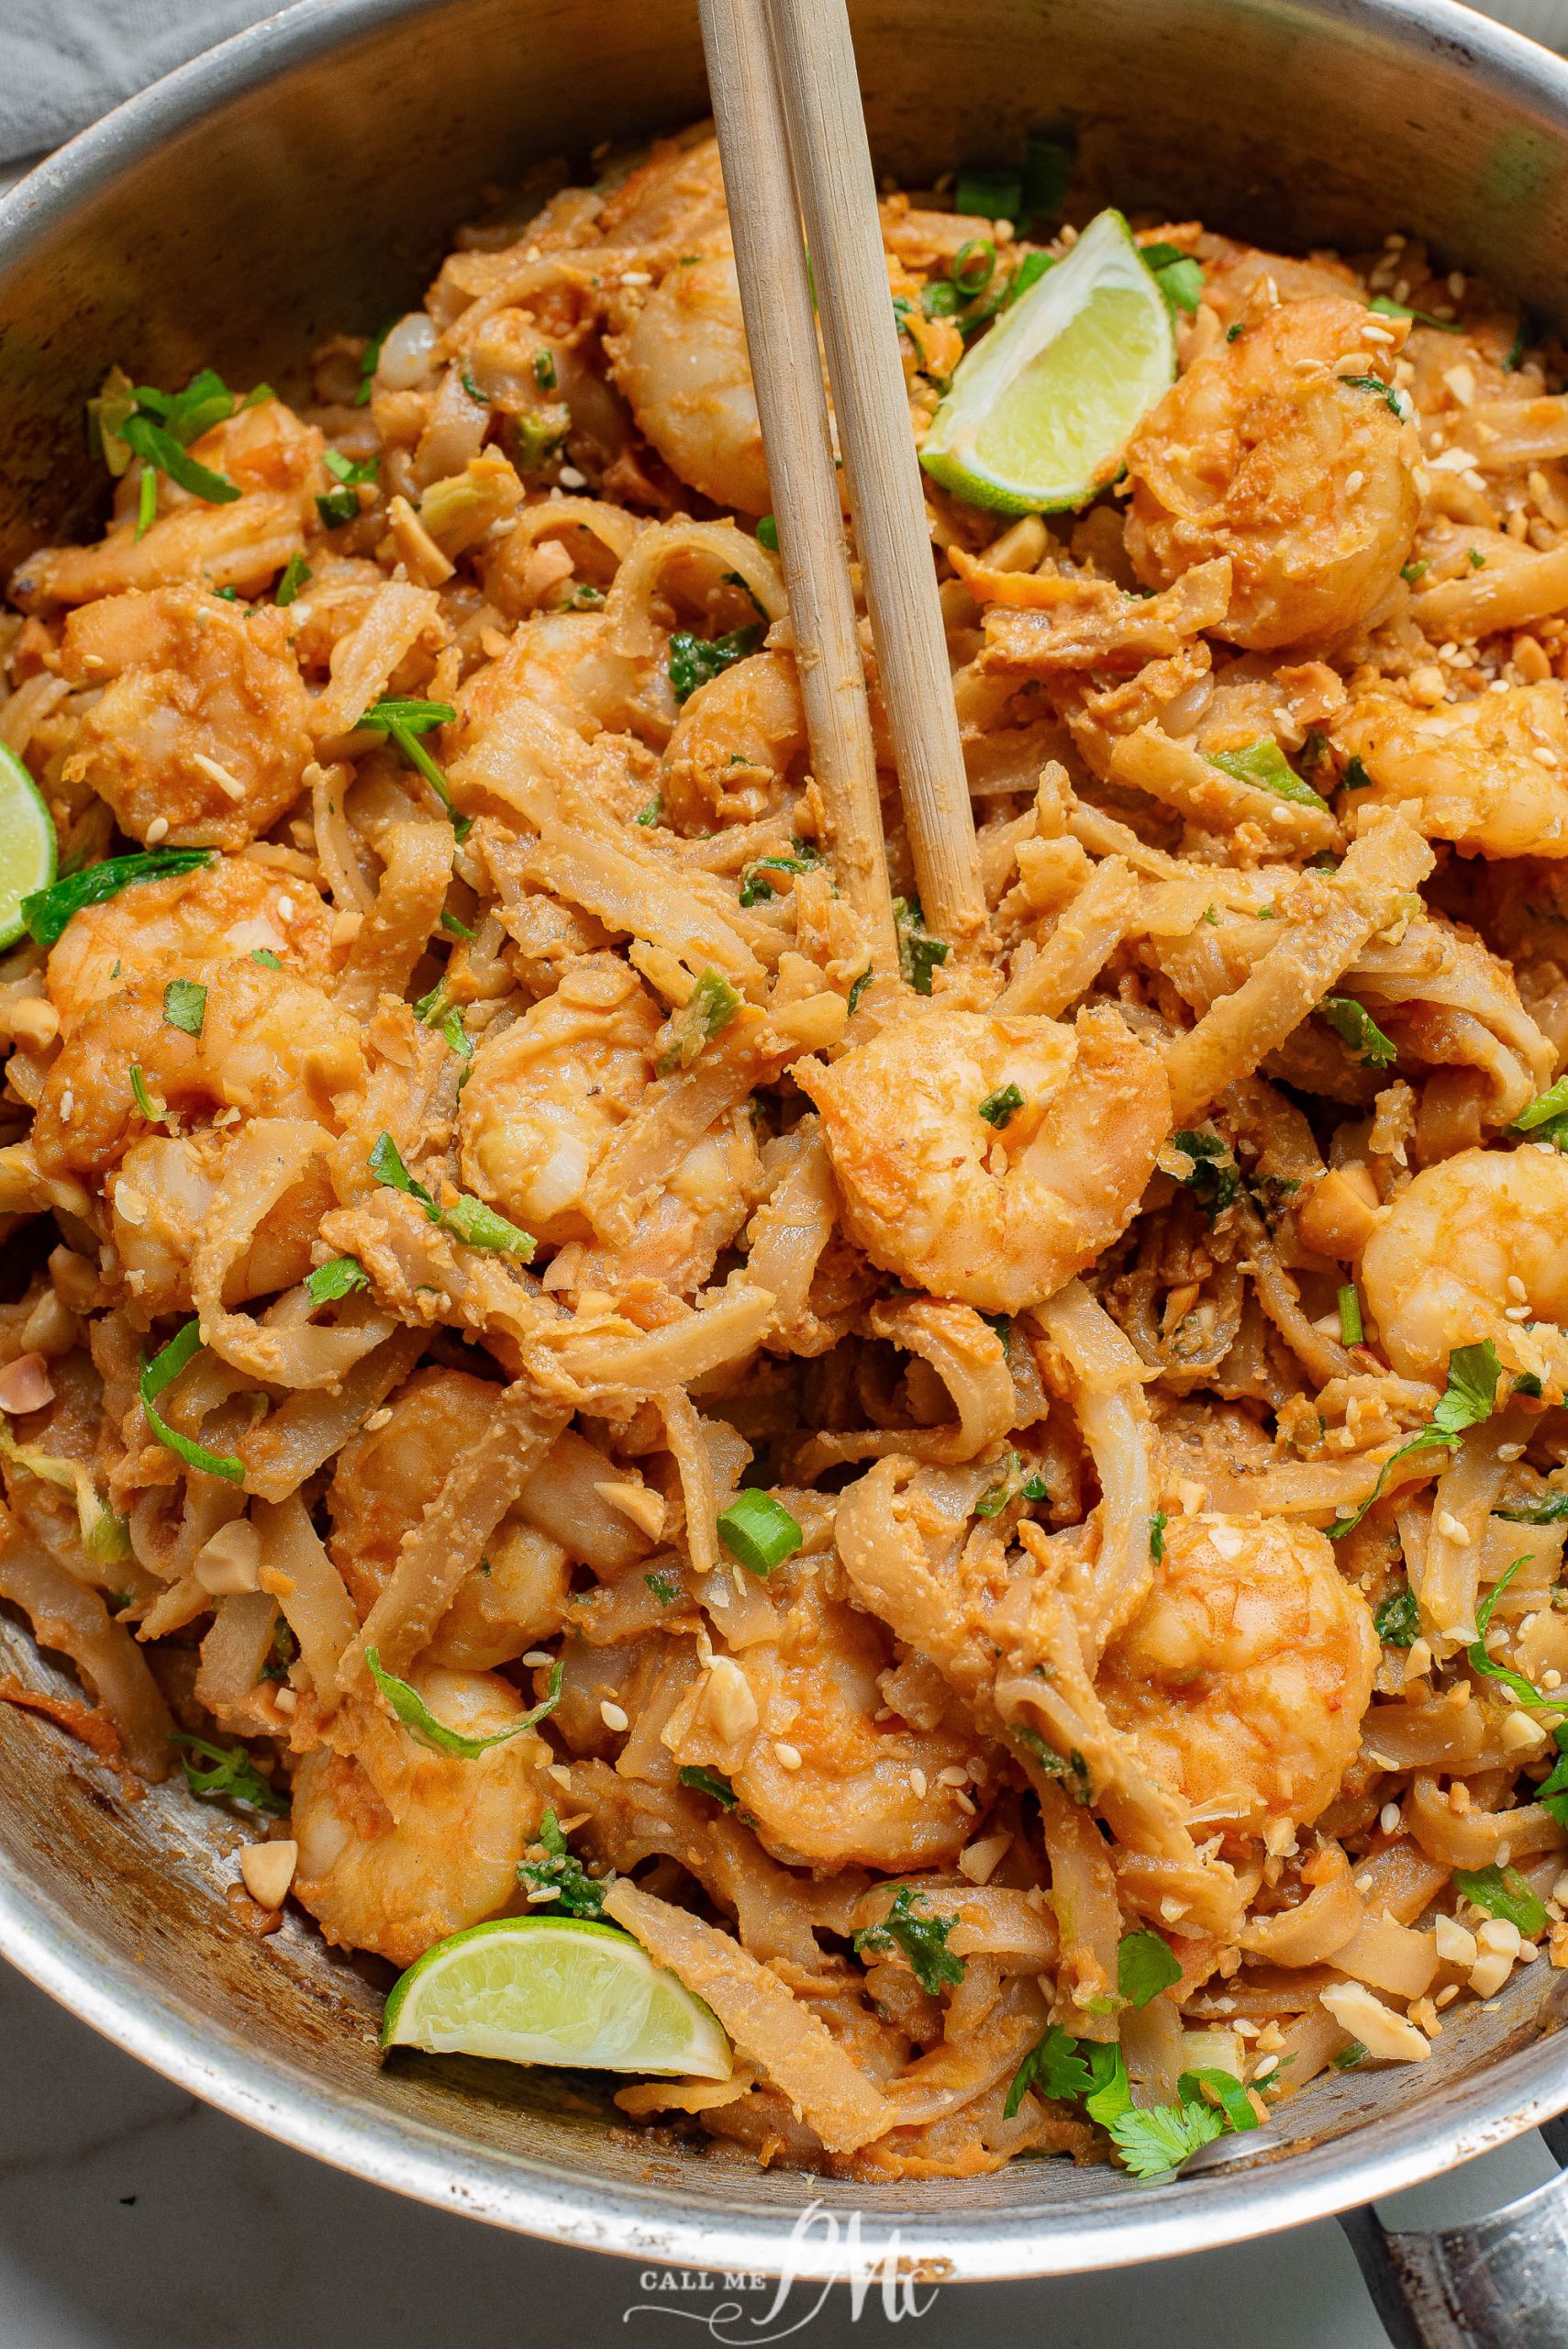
<point x="407" y="906"/>
<point x="66" y="1615"/>
<point x="297" y="1573"/>
<point x="769" y="2026"/>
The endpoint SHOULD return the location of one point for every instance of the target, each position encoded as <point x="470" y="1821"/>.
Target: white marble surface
<point x="133" y="2218"/>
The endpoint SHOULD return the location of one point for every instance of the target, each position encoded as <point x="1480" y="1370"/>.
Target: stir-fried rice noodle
<point x="1028" y="1485"/>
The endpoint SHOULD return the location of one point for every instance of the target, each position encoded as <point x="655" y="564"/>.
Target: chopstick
<point x="815" y="61"/>
<point x="775" y="295"/>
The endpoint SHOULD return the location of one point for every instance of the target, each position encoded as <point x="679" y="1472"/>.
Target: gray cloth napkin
<point x="67" y="62"/>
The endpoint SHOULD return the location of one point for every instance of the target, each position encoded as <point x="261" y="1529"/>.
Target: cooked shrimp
<point x="544" y="1099"/>
<point x="1244" y="1677"/>
<point x="1475" y="1247"/>
<point x="684" y="367"/>
<point x="738" y="739"/>
<point x="1490" y="774"/>
<point x="398" y="1879"/>
<point x="160" y="1197"/>
<point x="388" y="1476"/>
<point x="675" y="198"/>
<point x="564" y="661"/>
<point x="268" y="1041"/>
<point x="832" y="1777"/>
<point x="203" y="723"/>
<point x="222" y="912"/>
<point x="1280" y="450"/>
<point x="998" y="1212"/>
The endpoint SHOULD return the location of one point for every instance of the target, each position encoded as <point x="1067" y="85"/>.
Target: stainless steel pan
<point x="304" y="176"/>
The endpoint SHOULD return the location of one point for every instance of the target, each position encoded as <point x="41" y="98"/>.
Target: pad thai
<point x="1001" y="1515"/>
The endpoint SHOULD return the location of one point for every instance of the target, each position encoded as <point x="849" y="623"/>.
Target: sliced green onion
<point x="162" y="1372"/>
<point x="1350" y="1329"/>
<point x="758" y="1532"/>
<point x="422" y="1725"/>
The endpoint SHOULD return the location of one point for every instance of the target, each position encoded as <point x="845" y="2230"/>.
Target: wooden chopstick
<point x="815" y="60"/>
<point x="775" y="297"/>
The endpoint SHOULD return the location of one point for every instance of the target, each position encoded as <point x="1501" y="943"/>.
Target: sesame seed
<point x="285" y="908"/>
<point x="377" y="1419"/>
<point x="537" y="1657"/>
<point x="1516" y="1312"/>
<point x="786" y="1756"/>
<point x="571" y="479"/>
<point x="1452" y="1530"/>
<point x="963" y="1802"/>
<point x="955" y="1775"/>
<point x="1388" y="1818"/>
<point x="1270" y="2064"/>
<point x="614" y="1717"/>
<point x="67" y="1106"/>
<point x="917" y="1783"/>
<point x="1354" y="482"/>
<point x="1517" y="1288"/>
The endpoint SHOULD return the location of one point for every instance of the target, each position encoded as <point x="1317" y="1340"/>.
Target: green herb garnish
<point x="1469" y="1397"/>
<point x="1355" y="1026"/>
<point x="758" y="1532"/>
<point x="1265" y="765"/>
<point x="919" y="952"/>
<point x="695" y="660"/>
<point x="577" y="1893"/>
<point x="1504" y="1893"/>
<point x="921" y="1938"/>
<point x="422" y="1725"/>
<point x="47" y="911"/>
<point x="329" y="1281"/>
<point x="712" y="1783"/>
<point x="1351" y="1332"/>
<point x="184" y="1005"/>
<point x="296" y="573"/>
<point x="998" y="1106"/>
<point x="1145" y="1964"/>
<point x="232" y="1775"/>
<point x="162" y="1372"/>
<point x="468" y="1219"/>
<point x="706" y="1012"/>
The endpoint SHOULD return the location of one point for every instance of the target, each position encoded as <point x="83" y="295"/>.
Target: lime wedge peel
<point x="561" y="1990"/>
<point x="28" y="845"/>
<point x="1041" y="409"/>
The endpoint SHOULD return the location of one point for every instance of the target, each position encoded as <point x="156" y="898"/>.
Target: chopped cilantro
<point x="231" y="1774"/>
<point x="919" y="952"/>
<point x="544" y="369"/>
<point x="858" y="988"/>
<point x="1215" y="1181"/>
<point x="403" y="722"/>
<point x="1157" y="1525"/>
<point x="768" y="533"/>
<point x="921" y="1938"/>
<point x="1398" y="1619"/>
<point x="370" y="360"/>
<point x="999" y="1107"/>
<point x="1469" y="1397"/>
<point x="184" y="1005"/>
<point x="666" y="1588"/>
<point x="694" y="661"/>
<point x="1145" y="1964"/>
<point x="329" y="1282"/>
<point x="992" y="195"/>
<point x="1005" y="1488"/>
<point x="577" y="1894"/>
<point x="1411" y="572"/>
<point x="1385" y="392"/>
<point x="266" y="958"/>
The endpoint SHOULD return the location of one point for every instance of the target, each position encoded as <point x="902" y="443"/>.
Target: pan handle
<point x="1499" y="2283"/>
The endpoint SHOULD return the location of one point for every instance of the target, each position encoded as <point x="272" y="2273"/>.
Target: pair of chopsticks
<point x="793" y="142"/>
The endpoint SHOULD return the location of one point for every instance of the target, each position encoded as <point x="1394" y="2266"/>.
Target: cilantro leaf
<point x="1145" y="1964"/>
<point x="329" y="1282"/>
<point x="231" y="1777"/>
<point x="184" y="1005"/>
<point x="1054" y="2068"/>
<point x="921" y="1938"/>
<point x="919" y="952"/>
<point x="1215" y="1181"/>
<point x="577" y="1894"/>
<point x="666" y="1588"/>
<point x="694" y="661"/>
<point x="1398" y="1619"/>
<point x="1469" y="1397"/>
<point x="1159" y="2139"/>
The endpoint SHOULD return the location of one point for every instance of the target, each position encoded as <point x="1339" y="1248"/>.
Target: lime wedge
<point x="1041" y="409"/>
<point x="28" y="846"/>
<point x="560" y="1990"/>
